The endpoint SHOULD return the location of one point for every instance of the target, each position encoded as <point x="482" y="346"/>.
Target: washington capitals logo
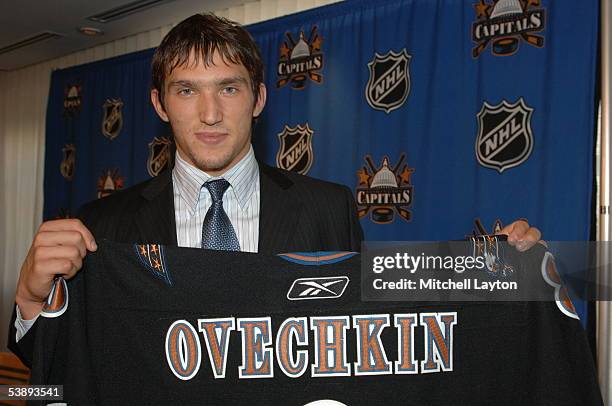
<point x="295" y="152"/>
<point x="492" y="250"/>
<point x="497" y="227"/>
<point x="68" y="162"/>
<point x="72" y="100"/>
<point x="159" y="155"/>
<point x="505" y="23"/>
<point x="153" y="258"/>
<point x="109" y="183"/>
<point x="300" y="60"/>
<point x="113" y="118"/>
<point x="480" y="230"/>
<point x="389" y="83"/>
<point x="505" y="138"/>
<point x="384" y="190"/>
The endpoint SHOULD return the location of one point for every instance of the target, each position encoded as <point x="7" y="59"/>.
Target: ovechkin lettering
<point x="289" y="352"/>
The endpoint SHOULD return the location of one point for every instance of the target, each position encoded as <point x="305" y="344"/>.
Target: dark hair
<point x="205" y="34"/>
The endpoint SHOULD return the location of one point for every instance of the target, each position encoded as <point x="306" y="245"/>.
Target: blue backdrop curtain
<point x="433" y="112"/>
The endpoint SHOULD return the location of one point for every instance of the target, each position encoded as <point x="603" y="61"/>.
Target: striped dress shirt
<point x="240" y="201"/>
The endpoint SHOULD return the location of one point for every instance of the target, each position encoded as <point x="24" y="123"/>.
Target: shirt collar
<point x="188" y="180"/>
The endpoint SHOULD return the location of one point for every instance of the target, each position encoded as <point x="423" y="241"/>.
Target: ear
<point x="159" y="107"/>
<point x="261" y="100"/>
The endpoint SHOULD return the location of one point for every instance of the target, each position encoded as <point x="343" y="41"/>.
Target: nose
<point x="210" y="109"/>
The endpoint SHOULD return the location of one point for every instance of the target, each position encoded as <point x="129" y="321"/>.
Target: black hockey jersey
<point x="150" y="324"/>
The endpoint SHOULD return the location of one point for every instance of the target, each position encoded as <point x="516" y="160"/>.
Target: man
<point x="208" y="84"/>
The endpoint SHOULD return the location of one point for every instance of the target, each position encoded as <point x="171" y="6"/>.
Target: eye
<point x="229" y="90"/>
<point x="185" y="91"/>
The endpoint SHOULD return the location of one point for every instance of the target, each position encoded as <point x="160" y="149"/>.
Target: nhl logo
<point x="67" y="164"/>
<point x="159" y="155"/>
<point x="384" y="190"/>
<point x="295" y="152"/>
<point x="505" y="139"/>
<point x="389" y="83"/>
<point x="300" y="60"/>
<point x="113" y="118"/>
<point x="109" y="183"/>
<point x="72" y="100"/>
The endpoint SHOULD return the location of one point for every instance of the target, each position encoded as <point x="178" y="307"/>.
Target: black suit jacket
<point x="297" y="213"/>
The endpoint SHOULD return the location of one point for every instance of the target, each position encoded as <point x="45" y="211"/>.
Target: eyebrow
<point x="232" y="80"/>
<point x="199" y="83"/>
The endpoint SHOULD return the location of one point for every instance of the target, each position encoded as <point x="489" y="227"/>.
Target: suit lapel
<point x="277" y="211"/>
<point x="277" y="214"/>
<point x="155" y="218"/>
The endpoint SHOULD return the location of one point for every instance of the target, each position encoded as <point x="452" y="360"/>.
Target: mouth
<point x="211" y="137"/>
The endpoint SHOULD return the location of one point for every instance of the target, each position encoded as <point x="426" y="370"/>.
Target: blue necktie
<point x="217" y="230"/>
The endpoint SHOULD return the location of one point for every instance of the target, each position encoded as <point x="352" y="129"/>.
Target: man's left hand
<point x="521" y="235"/>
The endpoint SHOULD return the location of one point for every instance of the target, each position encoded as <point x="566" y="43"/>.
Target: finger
<point x="69" y="252"/>
<point x="61" y="238"/>
<point x="54" y="266"/>
<point x="506" y="230"/>
<point x="529" y="239"/>
<point x="518" y="231"/>
<point x="71" y="225"/>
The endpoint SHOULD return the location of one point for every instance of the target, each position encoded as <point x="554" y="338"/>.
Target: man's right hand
<point x="58" y="248"/>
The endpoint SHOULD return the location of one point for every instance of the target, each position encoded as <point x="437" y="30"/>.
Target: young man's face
<point x="210" y="110"/>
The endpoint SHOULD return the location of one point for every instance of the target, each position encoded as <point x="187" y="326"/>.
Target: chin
<point x="212" y="165"/>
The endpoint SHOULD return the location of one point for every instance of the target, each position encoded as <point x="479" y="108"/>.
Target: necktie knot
<point x="217" y="188"/>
